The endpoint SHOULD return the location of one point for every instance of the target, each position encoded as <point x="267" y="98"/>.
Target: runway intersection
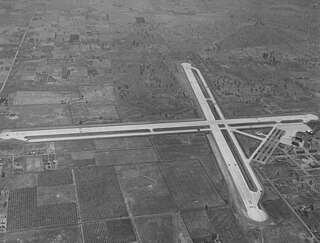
<point x="219" y="129"/>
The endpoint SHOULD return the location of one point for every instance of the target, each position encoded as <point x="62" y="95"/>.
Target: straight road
<point x="249" y="198"/>
<point x="25" y="135"/>
<point x="17" y="52"/>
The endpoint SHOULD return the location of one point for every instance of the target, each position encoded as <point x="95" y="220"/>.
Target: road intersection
<point x="214" y="123"/>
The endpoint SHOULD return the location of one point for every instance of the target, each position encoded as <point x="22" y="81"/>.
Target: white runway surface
<point x="249" y="198"/>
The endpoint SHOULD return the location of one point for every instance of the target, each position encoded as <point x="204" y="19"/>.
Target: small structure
<point x="295" y="143"/>
<point x="310" y="132"/>
<point x="140" y="20"/>
<point x="74" y="38"/>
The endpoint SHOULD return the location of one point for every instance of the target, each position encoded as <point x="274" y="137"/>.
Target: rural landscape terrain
<point x="159" y="121"/>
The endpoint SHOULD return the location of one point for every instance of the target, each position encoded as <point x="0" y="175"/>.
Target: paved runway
<point x="249" y="198"/>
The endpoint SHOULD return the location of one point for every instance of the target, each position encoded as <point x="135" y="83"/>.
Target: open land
<point x="142" y="196"/>
<point x="120" y="145"/>
<point x="179" y="197"/>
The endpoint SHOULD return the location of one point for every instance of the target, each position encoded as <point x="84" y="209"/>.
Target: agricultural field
<point x="122" y="143"/>
<point x="144" y="189"/>
<point x="128" y="156"/>
<point x="208" y="224"/>
<point x="194" y="138"/>
<point x="189" y="184"/>
<point x="24" y="213"/>
<point x="49" y="195"/>
<point x="109" y="68"/>
<point x="63" y="234"/>
<point x="288" y="228"/>
<point x="182" y="151"/>
<point x="227" y="225"/>
<point x="136" y="192"/>
<point x="110" y="231"/>
<point x="99" y="193"/>
<point x="158" y="188"/>
<point x="164" y="228"/>
<point x="77" y="63"/>
<point x="55" y="178"/>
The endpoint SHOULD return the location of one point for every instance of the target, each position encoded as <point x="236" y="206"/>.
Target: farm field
<point x="207" y="224"/>
<point x="140" y="187"/>
<point x="189" y="184"/>
<point x="144" y="189"/>
<point x="117" y="231"/>
<point x="24" y="213"/>
<point x="182" y="151"/>
<point x="99" y="193"/>
<point x="126" y="156"/>
<point x="136" y="194"/>
<point x="164" y="228"/>
<point x="64" y="234"/>
<point x="285" y="221"/>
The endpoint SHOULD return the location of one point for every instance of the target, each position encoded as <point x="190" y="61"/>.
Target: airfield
<point x="159" y="121"/>
<point x="218" y="132"/>
<point x="249" y="197"/>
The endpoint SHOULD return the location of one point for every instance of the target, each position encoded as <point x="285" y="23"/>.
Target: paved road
<point x="249" y="198"/>
<point x="25" y="135"/>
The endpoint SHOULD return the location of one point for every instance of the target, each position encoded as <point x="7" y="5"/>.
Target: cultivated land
<point x="110" y="139"/>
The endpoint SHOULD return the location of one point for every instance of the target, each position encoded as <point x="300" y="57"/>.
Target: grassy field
<point x="257" y="131"/>
<point x="100" y="112"/>
<point x="122" y="143"/>
<point x="129" y="156"/>
<point x="64" y="161"/>
<point x="33" y="163"/>
<point x="74" y="146"/>
<point x="193" y="138"/>
<point x="43" y="97"/>
<point x="41" y="116"/>
<point x="182" y="151"/>
<point x="278" y="211"/>
<point x="16" y="181"/>
<point x="269" y="193"/>
<point x="144" y="189"/>
<point x="189" y="184"/>
<point x="248" y="144"/>
<point x="96" y="188"/>
<point x="282" y="234"/>
<point x="278" y="170"/>
<point x="227" y="225"/>
<point x="10" y="149"/>
<point x="212" y="169"/>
